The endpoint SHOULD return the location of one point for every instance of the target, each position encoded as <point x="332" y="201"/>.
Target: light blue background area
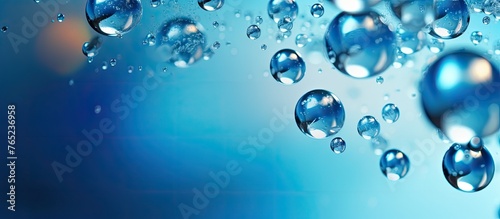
<point x="194" y="122"/>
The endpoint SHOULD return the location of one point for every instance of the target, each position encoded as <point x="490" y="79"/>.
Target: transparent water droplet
<point x="211" y="5"/>
<point x="150" y="39"/>
<point x="360" y="57"/>
<point x="390" y="113"/>
<point x="97" y="109"/>
<point x="263" y="47"/>
<point x="130" y="69"/>
<point x="452" y="19"/>
<point x="355" y="6"/>
<point x="113" y="17"/>
<point x="112" y="62"/>
<point x="104" y="65"/>
<point x="394" y="164"/>
<point x="279" y="9"/>
<point x="253" y="32"/>
<point x="486" y="20"/>
<point x="155" y="3"/>
<point x="319" y="114"/>
<point x="287" y="66"/>
<point x="379" y="80"/>
<point x="475" y="168"/>
<point x="60" y="17"/>
<point x="455" y="106"/>
<point x="476" y="37"/>
<point x="317" y="10"/>
<point x="4" y="29"/>
<point x="216" y="45"/>
<point x="259" y="20"/>
<point x="181" y="42"/>
<point x="215" y="24"/>
<point x="71" y="82"/>
<point x="302" y="40"/>
<point x="435" y="45"/>
<point x="91" y="49"/>
<point x="368" y="127"/>
<point x="285" y="24"/>
<point x="338" y="145"/>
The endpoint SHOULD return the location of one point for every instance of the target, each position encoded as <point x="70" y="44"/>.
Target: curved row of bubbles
<point x="459" y="90"/>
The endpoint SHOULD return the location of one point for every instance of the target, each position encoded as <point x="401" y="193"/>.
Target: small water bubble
<point x="216" y="45"/>
<point x="215" y="24"/>
<point x="104" y="65"/>
<point x="379" y="80"/>
<point x="97" y="109"/>
<point x="71" y="82"/>
<point x="287" y="66"/>
<point x="302" y="40"/>
<point x="368" y="127"/>
<point x="486" y="20"/>
<point x="130" y="69"/>
<point x="60" y="17"/>
<point x="112" y="62"/>
<point x="476" y="37"/>
<point x="435" y="45"/>
<point x="155" y="3"/>
<point x="4" y="29"/>
<point x="285" y="24"/>
<point x="253" y="32"/>
<point x="394" y="164"/>
<point x="317" y="10"/>
<point x="338" y="145"/>
<point x="259" y="20"/>
<point x="263" y="47"/>
<point x="90" y="59"/>
<point x="390" y="113"/>
<point x="139" y="68"/>
<point x="320" y="71"/>
<point x="211" y="5"/>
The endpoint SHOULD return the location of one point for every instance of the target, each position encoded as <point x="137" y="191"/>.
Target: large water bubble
<point x="279" y="9"/>
<point x="181" y="41"/>
<point x="355" y="6"/>
<point x="414" y="14"/>
<point x="452" y="19"/>
<point x="287" y="66"/>
<point x="113" y="17"/>
<point x="468" y="168"/>
<point x="360" y="45"/>
<point x="319" y="114"/>
<point x="461" y="96"/>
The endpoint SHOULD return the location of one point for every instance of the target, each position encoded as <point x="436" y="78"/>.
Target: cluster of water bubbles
<point x="460" y="91"/>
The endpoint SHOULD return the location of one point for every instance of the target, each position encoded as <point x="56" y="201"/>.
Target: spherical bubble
<point x="317" y="10"/>
<point x="279" y="9"/>
<point x="91" y="49"/>
<point x="476" y="37"/>
<point x="461" y="96"/>
<point x="287" y="66"/>
<point x="259" y="20"/>
<point x="155" y="3"/>
<point x="4" y="29"/>
<point x="60" y="17"/>
<point x="355" y="6"/>
<point x="302" y="40"/>
<point x="338" y="145"/>
<point x="211" y="5"/>
<point x="414" y="14"/>
<point x="390" y="113"/>
<point x="468" y="170"/>
<point x="379" y="80"/>
<point x="368" y="127"/>
<point x="394" y="164"/>
<point x="452" y="19"/>
<point x="435" y="45"/>
<point x="285" y="24"/>
<point x="253" y="32"/>
<point x="486" y="20"/>
<point x="181" y="41"/>
<point x="113" y="17"/>
<point x="319" y="114"/>
<point x="360" y="45"/>
<point x="410" y="42"/>
<point x="150" y="40"/>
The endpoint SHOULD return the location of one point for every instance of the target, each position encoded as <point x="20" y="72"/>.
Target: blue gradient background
<point x="193" y="123"/>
